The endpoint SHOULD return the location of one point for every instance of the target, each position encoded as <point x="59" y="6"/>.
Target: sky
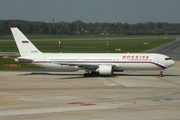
<point x="123" y="11"/>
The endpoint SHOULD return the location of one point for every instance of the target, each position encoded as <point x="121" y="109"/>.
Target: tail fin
<point x="24" y="45"/>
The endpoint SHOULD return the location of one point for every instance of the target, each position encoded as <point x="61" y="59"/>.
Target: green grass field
<point x="80" y="46"/>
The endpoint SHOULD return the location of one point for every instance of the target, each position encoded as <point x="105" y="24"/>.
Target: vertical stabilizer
<point x="24" y="45"/>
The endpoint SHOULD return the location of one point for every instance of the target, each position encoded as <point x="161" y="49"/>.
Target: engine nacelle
<point x="17" y="60"/>
<point x="105" y="70"/>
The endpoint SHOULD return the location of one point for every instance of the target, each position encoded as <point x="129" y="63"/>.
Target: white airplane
<point x="92" y="63"/>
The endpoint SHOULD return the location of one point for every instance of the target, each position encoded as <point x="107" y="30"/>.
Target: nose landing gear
<point x="161" y="73"/>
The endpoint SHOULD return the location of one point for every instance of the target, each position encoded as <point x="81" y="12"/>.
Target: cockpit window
<point x="168" y="59"/>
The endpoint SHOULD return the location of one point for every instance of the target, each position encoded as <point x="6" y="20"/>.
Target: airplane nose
<point x="171" y="63"/>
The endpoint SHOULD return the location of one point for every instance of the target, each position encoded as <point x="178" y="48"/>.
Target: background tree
<point x="80" y="28"/>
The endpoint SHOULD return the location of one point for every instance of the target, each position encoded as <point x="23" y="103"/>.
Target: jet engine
<point x="105" y="70"/>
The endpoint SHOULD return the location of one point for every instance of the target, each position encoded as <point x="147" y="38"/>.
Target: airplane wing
<point x="82" y="66"/>
<point x="86" y="66"/>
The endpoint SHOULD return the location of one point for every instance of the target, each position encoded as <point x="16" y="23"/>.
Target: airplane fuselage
<point x="120" y="61"/>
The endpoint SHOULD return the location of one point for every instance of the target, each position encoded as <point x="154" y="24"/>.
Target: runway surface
<point x="40" y="95"/>
<point x="9" y="54"/>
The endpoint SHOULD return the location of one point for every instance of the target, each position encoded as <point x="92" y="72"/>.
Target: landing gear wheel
<point x="87" y="75"/>
<point x="161" y="73"/>
<point x="91" y="74"/>
<point x="94" y="73"/>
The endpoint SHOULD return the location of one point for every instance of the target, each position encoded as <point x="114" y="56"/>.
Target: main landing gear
<point x="161" y="73"/>
<point x="91" y="74"/>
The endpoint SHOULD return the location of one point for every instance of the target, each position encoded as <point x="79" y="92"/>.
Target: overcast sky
<point x="124" y="11"/>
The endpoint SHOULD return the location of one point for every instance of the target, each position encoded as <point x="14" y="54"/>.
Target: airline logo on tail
<point x="25" y="41"/>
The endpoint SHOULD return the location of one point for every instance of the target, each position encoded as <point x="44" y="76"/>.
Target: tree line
<point x="81" y="28"/>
